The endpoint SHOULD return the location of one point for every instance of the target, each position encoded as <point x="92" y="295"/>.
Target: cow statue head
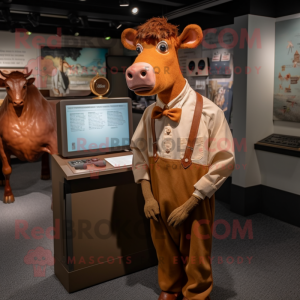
<point x="16" y="84"/>
<point x="156" y="69"/>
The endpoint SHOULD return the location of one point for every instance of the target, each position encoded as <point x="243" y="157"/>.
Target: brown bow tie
<point x="173" y="114"/>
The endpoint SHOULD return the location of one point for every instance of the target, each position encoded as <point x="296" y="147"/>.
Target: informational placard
<point x="287" y="71"/>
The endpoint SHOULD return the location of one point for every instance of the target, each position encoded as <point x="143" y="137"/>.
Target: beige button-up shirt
<point x="214" y="145"/>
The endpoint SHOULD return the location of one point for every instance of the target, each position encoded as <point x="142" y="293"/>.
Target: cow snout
<point x="18" y="103"/>
<point x="140" y="77"/>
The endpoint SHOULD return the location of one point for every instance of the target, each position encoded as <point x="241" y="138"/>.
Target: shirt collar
<point x="177" y="101"/>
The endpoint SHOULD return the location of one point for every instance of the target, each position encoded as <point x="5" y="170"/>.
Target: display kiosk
<point x="103" y="233"/>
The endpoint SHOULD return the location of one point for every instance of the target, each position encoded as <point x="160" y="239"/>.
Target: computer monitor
<point x="88" y="127"/>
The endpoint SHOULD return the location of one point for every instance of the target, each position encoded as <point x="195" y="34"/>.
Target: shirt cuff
<point x="140" y="172"/>
<point x="198" y="195"/>
<point x="206" y="187"/>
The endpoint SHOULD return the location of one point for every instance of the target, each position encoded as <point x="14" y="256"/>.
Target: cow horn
<point x="4" y="75"/>
<point x="28" y="74"/>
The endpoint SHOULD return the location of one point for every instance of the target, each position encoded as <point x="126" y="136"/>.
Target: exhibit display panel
<point x="210" y="68"/>
<point x="287" y="71"/>
<point x="103" y="231"/>
<point x="279" y="143"/>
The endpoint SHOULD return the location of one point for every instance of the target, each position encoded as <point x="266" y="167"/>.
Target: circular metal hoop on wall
<point x="99" y="86"/>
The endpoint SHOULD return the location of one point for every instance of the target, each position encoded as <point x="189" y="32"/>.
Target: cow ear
<point x="30" y="81"/>
<point x="2" y="82"/>
<point x="191" y="37"/>
<point x="128" y="38"/>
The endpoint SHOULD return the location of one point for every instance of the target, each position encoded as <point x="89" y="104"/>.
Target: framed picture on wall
<point x="221" y="94"/>
<point x="286" y="103"/>
<point x="68" y="71"/>
<point x="8" y="70"/>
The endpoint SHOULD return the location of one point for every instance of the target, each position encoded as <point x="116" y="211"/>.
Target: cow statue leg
<point x="6" y="170"/>
<point x="2" y="178"/>
<point x="45" y="167"/>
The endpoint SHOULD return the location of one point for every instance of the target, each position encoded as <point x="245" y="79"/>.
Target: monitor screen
<point x="94" y="127"/>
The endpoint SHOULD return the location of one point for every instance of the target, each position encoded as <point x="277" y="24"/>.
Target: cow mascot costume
<point x="182" y="153"/>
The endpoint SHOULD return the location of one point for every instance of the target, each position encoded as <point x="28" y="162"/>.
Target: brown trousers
<point x="184" y="252"/>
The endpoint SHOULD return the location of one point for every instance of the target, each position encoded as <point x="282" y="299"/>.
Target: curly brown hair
<point x="156" y="29"/>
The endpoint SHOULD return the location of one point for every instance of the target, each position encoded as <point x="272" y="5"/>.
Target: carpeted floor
<point x="272" y="274"/>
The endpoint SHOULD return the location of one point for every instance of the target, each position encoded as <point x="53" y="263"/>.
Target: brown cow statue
<point x="27" y="126"/>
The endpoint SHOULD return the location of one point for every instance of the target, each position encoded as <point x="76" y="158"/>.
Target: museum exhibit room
<point x="150" y="149"/>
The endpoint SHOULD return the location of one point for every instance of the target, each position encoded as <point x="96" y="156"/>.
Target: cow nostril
<point x="143" y="73"/>
<point x="129" y="75"/>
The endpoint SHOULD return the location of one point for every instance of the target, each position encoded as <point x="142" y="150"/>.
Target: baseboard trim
<point x="272" y="202"/>
<point x="281" y="205"/>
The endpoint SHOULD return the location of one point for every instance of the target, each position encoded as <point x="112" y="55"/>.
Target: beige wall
<point x="14" y="54"/>
<point x="253" y="113"/>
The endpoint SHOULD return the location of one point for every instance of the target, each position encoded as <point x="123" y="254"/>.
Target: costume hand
<point x="151" y="209"/>
<point x="180" y="214"/>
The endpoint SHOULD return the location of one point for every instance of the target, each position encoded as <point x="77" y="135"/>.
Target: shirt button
<point x="168" y="130"/>
<point x="186" y="160"/>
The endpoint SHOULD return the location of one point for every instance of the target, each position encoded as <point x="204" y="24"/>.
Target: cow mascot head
<point x="156" y="70"/>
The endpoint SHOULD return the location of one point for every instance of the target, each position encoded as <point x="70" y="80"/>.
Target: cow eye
<point x="139" y="48"/>
<point x="162" y="47"/>
<point x="7" y="87"/>
<point x="24" y="87"/>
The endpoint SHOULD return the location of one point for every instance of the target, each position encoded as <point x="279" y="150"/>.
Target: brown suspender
<point x="186" y="161"/>
<point x="154" y="140"/>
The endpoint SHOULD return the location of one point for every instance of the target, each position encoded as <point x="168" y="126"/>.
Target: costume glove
<point x="151" y="207"/>
<point x="179" y="214"/>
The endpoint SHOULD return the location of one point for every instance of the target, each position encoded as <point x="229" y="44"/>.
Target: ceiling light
<point x="119" y="26"/>
<point x="106" y="36"/>
<point x="124" y="2"/>
<point x="28" y="32"/>
<point x="76" y="33"/>
<point x="135" y="10"/>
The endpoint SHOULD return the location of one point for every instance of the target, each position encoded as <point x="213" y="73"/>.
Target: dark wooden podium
<point x="103" y="231"/>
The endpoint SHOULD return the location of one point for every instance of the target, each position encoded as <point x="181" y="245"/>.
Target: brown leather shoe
<point x="169" y="296"/>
